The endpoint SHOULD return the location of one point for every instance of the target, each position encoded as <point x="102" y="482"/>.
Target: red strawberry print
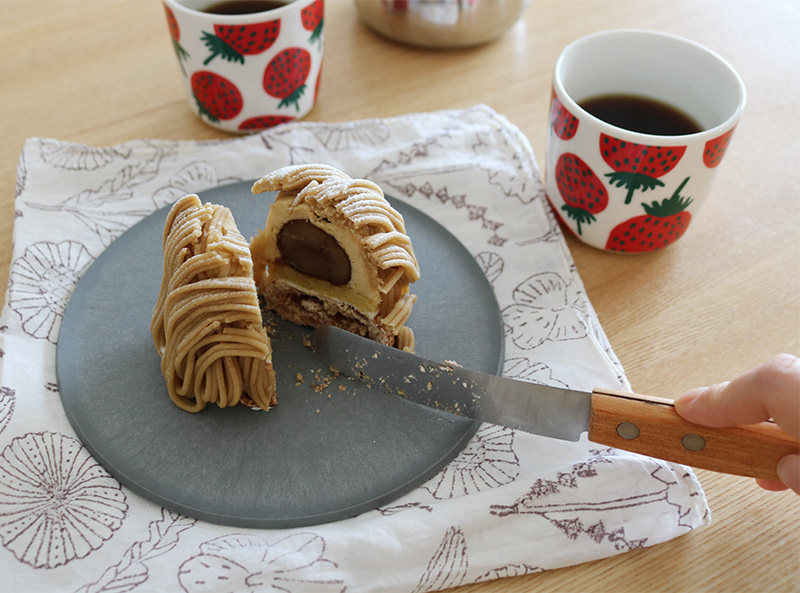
<point x="234" y="42"/>
<point x="663" y="223"/>
<point x="583" y="192"/>
<point x="565" y="125"/>
<point x="175" y="34"/>
<point x="638" y="166"/>
<point x="261" y="122"/>
<point x="216" y="96"/>
<point x="285" y="76"/>
<point x="172" y="23"/>
<point x="715" y="149"/>
<point x="313" y="18"/>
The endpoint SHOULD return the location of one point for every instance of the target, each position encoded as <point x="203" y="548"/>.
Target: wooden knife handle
<point x="651" y="426"/>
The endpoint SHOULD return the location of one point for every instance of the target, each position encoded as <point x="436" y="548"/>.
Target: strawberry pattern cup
<point x="244" y="73"/>
<point x="623" y="190"/>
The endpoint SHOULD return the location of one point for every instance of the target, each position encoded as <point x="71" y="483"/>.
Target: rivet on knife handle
<point x="652" y="427"/>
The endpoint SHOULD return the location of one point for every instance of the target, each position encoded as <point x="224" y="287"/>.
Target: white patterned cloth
<point x="511" y="503"/>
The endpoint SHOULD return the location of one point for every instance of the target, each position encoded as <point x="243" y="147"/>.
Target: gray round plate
<point x="326" y="452"/>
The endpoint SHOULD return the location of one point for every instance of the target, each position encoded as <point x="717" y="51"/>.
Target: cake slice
<point x="335" y="252"/>
<point x="207" y="323"/>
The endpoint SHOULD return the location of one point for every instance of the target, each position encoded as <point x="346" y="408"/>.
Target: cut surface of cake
<point x="207" y="324"/>
<point x="335" y="252"/>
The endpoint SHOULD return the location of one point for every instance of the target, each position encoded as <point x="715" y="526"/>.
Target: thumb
<point x="702" y="405"/>
<point x="771" y="390"/>
<point x="789" y="472"/>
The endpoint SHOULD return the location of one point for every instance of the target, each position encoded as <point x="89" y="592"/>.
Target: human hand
<point x="771" y="390"/>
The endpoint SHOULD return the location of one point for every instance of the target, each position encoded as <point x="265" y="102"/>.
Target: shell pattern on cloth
<point x="248" y="562"/>
<point x="353" y="135"/>
<point x="488" y="461"/>
<point x="76" y="157"/>
<point x="41" y="281"/>
<point x="56" y="503"/>
<point x="8" y="398"/>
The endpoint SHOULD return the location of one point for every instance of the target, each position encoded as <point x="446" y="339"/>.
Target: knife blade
<point x="639" y="423"/>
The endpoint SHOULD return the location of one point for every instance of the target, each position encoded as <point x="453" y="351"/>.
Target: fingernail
<point x="686" y="400"/>
<point x="789" y="471"/>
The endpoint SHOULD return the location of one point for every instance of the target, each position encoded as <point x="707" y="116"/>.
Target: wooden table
<point x="723" y="299"/>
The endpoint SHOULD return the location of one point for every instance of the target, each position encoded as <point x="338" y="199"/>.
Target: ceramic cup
<point x="630" y="191"/>
<point x="247" y="72"/>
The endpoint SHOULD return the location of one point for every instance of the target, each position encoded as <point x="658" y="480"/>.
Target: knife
<point x="638" y="423"/>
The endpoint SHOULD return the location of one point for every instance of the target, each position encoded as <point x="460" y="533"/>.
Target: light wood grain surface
<point x="721" y="300"/>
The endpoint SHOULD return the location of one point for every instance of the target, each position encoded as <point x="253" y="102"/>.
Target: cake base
<point x="302" y="308"/>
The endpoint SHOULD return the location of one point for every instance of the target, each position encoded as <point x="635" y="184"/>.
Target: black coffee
<point x="640" y="114"/>
<point x="244" y="6"/>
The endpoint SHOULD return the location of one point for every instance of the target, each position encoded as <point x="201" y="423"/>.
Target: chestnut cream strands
<point x="207" y="323"/>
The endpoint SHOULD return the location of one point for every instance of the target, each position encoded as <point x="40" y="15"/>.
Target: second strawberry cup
<point x="639" y="122"/>
<point x="247" y="66"/>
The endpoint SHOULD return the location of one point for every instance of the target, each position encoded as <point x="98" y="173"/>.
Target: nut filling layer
<point x="310" y="250"/>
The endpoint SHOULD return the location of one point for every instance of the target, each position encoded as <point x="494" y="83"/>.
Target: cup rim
<point x="640" y="137"/>
<point x="231" y="18"/>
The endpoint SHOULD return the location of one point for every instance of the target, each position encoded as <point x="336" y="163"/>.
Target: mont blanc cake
<point x="335" y="252"/>
<point x="206" y="325"/>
